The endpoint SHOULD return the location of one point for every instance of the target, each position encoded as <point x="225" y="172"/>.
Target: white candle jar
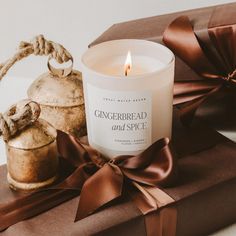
<point x="126" y="114"/>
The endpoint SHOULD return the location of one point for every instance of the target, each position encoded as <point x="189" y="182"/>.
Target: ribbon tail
<point x="143" y="199"/>
<point x="189" y="90"/>
<point x="101" y="188"/>
<point x="188" y="111"/>
<point x="150" y="198"/>
<point x="160" y="222"/>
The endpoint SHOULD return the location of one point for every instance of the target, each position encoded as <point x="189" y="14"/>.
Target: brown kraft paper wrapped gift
<point x="204" y="195"/>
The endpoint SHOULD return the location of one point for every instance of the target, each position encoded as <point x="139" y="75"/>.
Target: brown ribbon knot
<point x="103" y="181"/>
<point x="213" y="57"/>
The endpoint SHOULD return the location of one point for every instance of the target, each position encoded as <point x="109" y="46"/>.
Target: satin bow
<point x="85" y="172"/>
<point x="103" y="181"/>
<point x="214" y="60"/>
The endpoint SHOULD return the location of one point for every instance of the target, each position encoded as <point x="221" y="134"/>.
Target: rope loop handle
<point x="17" y="117"/>
<point x="39" y="46"/>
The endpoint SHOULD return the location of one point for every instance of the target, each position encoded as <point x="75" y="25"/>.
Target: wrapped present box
<point x="218" y="111"/>
<point x="152" y="28"/>
<point x="204" y="197"/>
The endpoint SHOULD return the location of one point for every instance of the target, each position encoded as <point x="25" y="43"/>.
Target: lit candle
<point x="128" y="89"/>
<point x="128" y="64"/>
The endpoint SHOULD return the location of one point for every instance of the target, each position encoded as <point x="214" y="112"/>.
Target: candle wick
<point x="128" y="67"/>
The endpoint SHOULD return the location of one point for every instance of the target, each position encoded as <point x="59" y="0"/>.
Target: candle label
<point x="120" y="120"/>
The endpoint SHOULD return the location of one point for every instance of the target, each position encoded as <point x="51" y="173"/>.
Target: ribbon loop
<point x="181" y="39"/>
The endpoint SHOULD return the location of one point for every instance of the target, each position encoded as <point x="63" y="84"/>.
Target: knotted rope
<point x="17" y="117"/>
<point x="38" y="46"/>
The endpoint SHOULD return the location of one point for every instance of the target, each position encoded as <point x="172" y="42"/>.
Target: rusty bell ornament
<point x="61" y="99"/>
<point x="59" y="91"/>
<point x="31" y="148"/>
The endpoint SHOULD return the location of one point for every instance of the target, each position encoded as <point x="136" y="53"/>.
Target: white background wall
<point x="74" y="24"/>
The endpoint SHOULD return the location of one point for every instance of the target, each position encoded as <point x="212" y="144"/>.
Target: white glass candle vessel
<point x="128" y="89"/>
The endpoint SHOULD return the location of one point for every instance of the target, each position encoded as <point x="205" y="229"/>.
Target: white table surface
<point x="13" y="89"/>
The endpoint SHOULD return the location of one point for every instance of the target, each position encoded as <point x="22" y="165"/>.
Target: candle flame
<point x="128" y="63"/>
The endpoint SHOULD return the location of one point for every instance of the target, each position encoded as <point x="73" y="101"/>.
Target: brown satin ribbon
<point x="154" y="167"/>
<point x="160" y="214"/>
<point x="90" y="175"/>
<point x="216" y="65"/>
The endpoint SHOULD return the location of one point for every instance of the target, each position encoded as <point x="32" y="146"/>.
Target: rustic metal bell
<point x="32" y="157"/>
<point x="60" y="95"/>
<point x="59" y="92"/>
